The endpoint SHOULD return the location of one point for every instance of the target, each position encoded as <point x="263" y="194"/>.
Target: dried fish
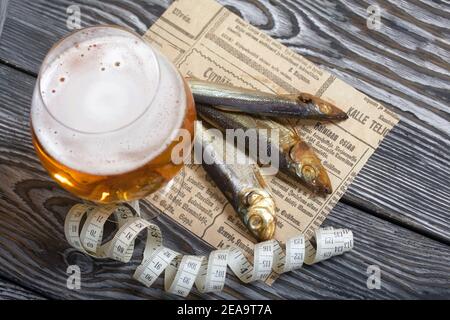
<point x="243" y="185"/>
<point x="298" y="105"/>
<point x="296" y="157"/>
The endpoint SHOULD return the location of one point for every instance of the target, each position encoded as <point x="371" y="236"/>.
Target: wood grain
<point x="10" y="291"/>
<point x="3" y="7"/>
<point x="34" y="253"/>
<point x="405" y="65"/>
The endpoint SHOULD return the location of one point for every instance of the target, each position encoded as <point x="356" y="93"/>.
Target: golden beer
<point x="107" y="113"/>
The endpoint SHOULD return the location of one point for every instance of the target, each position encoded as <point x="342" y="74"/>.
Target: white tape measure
<point x="181" y="272"/>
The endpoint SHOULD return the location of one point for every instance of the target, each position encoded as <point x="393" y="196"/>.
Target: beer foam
<point x="108" y="105"/>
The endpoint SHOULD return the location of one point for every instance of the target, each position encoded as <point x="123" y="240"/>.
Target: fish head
<point x="326" y="109"/>
<point x="259" y="214"/>
<point x="309" y="168"/>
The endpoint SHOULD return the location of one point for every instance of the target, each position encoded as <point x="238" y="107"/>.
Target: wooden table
<point x="398" y="207"/>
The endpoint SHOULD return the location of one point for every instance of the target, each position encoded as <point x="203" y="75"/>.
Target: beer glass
<point x="106" y="115"/>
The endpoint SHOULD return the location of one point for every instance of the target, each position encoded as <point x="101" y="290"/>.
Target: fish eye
<point x="255" y="222"/>
<point x="305" y="98"/>
<point x="309" y="172"/>
<point x="325" y="108"/>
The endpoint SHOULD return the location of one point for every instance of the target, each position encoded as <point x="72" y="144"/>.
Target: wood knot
<point x="75" y="257"/>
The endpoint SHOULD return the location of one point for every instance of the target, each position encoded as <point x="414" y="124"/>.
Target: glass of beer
<point x="106" y="115"/>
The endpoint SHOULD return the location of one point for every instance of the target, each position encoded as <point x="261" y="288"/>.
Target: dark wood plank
<point x="10" y="291"/>
<point x="317" y="29"/>
<point x="35" y="254"/>
<point x="3" y="7"/>
<point x="405" y="65"/>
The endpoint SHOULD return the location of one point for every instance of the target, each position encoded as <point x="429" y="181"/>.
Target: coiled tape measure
<point x="182" y="271"/>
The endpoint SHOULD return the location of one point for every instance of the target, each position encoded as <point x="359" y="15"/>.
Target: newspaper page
<point x="207" y="41"/>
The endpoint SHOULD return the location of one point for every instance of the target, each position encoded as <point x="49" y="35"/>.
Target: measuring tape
<point x="182" y="271"/>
